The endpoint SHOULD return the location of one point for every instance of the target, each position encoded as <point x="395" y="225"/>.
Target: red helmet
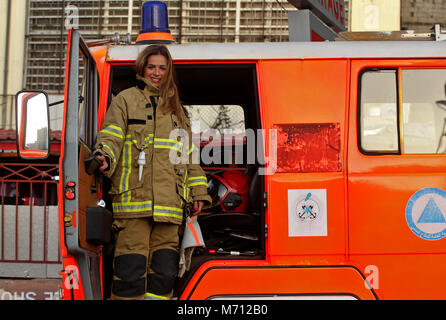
<point x="229" y="191"/>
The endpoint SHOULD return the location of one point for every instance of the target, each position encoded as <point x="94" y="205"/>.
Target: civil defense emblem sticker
<point x="426" y="213"/>
<point x="307" y="212"/>
<point x="307" y="209"/>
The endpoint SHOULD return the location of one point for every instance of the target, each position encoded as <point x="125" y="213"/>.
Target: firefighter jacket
<point x="138" y="134"/>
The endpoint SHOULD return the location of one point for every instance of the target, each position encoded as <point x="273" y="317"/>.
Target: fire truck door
<point x="80" y="189"/>
<point x="396" y="169"/>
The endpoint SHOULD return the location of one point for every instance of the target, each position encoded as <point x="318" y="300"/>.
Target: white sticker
<point x="307" y="213"/>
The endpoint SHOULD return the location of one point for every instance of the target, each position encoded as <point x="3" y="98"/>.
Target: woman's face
<point x="155" y="69"/>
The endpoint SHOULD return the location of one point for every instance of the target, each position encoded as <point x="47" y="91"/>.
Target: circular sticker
<point x="425" y="213"/>
<point x="307" y="209"/>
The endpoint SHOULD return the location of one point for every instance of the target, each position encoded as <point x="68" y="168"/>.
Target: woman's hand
<point x="196" y="209"/>
<point x="104" y="164"/>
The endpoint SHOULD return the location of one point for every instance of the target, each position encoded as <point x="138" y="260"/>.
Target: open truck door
<point x="79" y="193"/>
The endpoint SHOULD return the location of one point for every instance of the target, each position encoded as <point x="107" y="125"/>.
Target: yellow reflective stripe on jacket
<point x="160" y="143"/>
<point x="191" y="149"/>
<point x="152" y="296"/>
<point x="111" y="151"/>
<point x="197" y="181"/>
<point x="147" y="140"/>
<point x="169" y="141"/>
<point x="185" y="187"/>
<point x="132" y="206"/>
<point x="126" y="166"/>
<point x="167" y="144"/>
<point x="114" y="131"/>
<point x="168" y="212"/>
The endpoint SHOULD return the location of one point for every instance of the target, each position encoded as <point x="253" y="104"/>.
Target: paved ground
<point x="29" y="289"/>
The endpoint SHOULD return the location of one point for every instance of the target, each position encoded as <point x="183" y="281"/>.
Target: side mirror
<point x="33" y="139"/>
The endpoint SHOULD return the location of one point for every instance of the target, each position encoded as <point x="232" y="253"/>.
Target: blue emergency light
<point x="154" y="17"/>
<point x="154" y="24"/>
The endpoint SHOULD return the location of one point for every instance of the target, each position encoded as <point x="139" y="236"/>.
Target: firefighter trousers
<point x="146" y="259"/>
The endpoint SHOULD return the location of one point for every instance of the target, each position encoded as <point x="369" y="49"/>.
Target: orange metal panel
<point x="218" y="279"/>
<point x="300" y="92"/>
<point x="405" y="276"/>
<point x="281" y="242"/>
<point x="380" y="187"/>
<point x="303" y="91"/>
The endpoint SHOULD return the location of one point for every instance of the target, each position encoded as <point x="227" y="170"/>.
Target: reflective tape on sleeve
<point x="197" y="181"/>
<point x="114" y="131"/>
<point x="111" y="151"/>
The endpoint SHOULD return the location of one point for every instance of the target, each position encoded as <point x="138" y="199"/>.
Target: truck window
<point x="222" y="129"/>
<point x="424" y="110"/>
<point x="220" y="118"/>
<point x="82" y="94"/>
<point x="414" y="125"/>
<point x="378" y="111"/>
<point x="87" y="99"/>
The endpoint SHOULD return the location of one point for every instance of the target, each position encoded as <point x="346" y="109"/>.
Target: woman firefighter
<point x="150" y="189"/>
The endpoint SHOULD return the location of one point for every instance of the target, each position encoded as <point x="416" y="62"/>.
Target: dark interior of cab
<point x="227" y="232"/>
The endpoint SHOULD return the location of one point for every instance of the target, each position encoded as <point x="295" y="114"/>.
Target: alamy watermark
<point x="71" y="17"/>
<point x="71" y="281"/>
<point x="372" y="277"/>
<point x="228" y="148"/>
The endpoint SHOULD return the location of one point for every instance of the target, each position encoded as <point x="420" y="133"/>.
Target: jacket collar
<point x="142" y="83"/>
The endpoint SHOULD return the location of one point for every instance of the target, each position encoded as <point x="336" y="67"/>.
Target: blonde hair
<point x="168" y="84"/>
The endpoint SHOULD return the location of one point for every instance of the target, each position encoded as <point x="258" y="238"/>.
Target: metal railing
<point x="29" y="224"/>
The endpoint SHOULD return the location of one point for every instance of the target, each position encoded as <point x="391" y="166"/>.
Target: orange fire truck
<point x="346" y="197"/>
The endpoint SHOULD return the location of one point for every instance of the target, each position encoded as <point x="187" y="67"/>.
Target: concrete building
<point x="42" y="26"/>
<point x="12" y="56"/>
<point x="189" y="21"/>
<point x="394" y="15"/>
<point x="422" y="14"/>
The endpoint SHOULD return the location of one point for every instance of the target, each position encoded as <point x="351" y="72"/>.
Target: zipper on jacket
<point x="154" y="105"/>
